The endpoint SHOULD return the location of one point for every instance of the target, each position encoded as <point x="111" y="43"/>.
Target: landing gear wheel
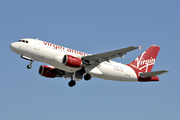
<point x="29" y="66"/>
<point x="72" y="83"/>
<point x="87" y="77"/>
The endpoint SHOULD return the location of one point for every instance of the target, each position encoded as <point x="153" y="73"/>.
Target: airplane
<point x="69" y="63"/>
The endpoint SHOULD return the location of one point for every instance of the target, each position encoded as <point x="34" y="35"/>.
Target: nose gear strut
<point x="30" y="59"/>
<point x="30" y="65"/>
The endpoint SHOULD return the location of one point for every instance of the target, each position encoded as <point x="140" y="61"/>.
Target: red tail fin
<point x="146" y="60"/>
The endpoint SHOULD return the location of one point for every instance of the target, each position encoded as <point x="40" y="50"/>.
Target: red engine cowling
<point x="72" y="61"/>
<point x="47" y="71"/>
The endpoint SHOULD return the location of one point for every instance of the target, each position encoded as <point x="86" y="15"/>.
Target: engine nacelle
<point x="47" y="71"/>
<point x="72" y="61"/>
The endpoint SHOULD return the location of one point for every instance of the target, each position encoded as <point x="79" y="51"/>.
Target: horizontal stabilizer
<point x="152" y="74"/>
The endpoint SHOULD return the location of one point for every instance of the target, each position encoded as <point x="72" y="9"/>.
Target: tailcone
<point x="148" y="79"/>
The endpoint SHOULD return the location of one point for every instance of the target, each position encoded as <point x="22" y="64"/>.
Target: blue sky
<point x="91" y="27"/>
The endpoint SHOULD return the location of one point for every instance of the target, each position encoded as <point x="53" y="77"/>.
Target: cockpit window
<point x="25" y="41"/>
<point x="20" y="41"/>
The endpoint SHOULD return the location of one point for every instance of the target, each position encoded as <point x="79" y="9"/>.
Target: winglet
<point x="140" y="47"/>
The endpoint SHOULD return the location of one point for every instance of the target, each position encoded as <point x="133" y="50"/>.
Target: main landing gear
<point x="30" y="59"/>
<point x="72" y="83"/>
<point x="87" y="77"/>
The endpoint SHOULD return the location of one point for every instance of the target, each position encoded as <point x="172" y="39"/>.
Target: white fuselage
<point x="53" y="54"/>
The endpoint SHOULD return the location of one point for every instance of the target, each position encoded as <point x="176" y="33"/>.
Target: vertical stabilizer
<point x="145" y="62"/>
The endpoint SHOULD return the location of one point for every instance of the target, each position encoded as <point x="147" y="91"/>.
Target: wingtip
<point x="136" y="47"/>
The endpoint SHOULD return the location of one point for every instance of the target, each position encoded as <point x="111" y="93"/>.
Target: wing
<point x="98" y="58"/>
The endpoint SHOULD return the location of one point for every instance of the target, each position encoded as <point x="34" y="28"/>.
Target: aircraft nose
<point x="13" y="46"/>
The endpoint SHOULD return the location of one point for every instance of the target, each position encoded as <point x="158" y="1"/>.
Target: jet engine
<point x="47" y="71"/>
<point x="72" y="61"/>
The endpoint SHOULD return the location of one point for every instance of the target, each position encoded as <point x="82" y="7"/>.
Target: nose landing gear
<point x="30" y="65"/>
<point x="30" y="59"/>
